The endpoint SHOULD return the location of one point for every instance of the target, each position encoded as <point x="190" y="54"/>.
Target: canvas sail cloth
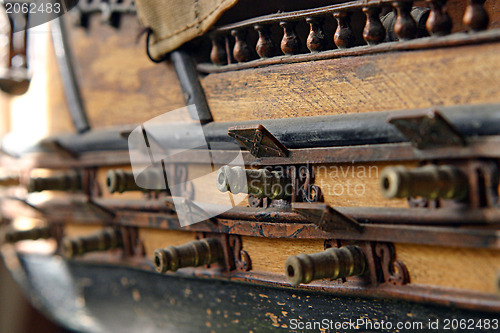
<point x="174" y="22"/>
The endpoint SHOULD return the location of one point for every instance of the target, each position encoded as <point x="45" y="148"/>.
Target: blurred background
<point x="16" y="313"/>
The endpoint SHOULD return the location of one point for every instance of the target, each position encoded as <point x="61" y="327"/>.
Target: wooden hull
<point x="107" y="298"/>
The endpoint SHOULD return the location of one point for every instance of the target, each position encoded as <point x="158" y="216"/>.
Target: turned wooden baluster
<point x="290" y="44"/>
<point x="405" y="26"/>
<point x="344" y="36"/>
<point x="218" y="53"/>
<point x="241" y="50"/>
<point x="475" y="17"/>
<point x="316" y="41"/>
<point x="374" y="31"/>
<point x="439" y="22"/>
<point x="265" y="46"/>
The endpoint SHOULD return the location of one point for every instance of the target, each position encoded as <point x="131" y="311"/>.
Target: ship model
<point x="237" y="166"/>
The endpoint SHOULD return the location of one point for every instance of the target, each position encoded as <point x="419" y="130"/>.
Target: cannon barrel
<point x="193" y="254"/>
<point x="124" y="181"/>
<point x="431" y="182"/>
<point x="261" y="183"/>
<point x="107" y="239"/>
<point x="12" y="236"/>
<point x="332" y="263"/>
<point x="64" y="182"/>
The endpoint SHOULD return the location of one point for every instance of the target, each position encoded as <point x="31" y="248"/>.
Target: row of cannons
<point x="446" y="182"/>
<point x="386" y="20"/>
<point x="333" y="263"/>
<point x="430" y="182"/>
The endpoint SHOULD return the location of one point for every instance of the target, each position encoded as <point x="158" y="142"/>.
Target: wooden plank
<point x="354" y="184"/>
<point x="460" y="268"/>
<point x="399" y="80"/>
<point x="471" y="269"/>
<point x="79" y="230"/>
<point x="269" y="255"/>
<point x="159" y="239"/>
<point x="119" y="84"/>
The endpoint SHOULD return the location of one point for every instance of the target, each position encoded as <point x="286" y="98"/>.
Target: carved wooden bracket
<point x="325" y="217"/>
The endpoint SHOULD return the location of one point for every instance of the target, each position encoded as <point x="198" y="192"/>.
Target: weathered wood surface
<point x="472" y="269"/>
<point x="399" y="80"/>
<point x="346" y="184"/>
<point x="79" y="230"/>
<point x="119" y="84"/>
<point x="468" y="269"/>
<point x="354" y="184"/>
<point x="440" y="266"/>
<point x="159" y="239"/>
<point x="269" y="255"/>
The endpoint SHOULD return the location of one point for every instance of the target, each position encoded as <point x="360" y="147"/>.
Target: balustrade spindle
<point x="405" y="26"/>
<point x="290" y="44"/>
<point x="265" y="47"/>
<point x="344" y="37"/>
<point x="241" y="50"/>
<point x="439" y="22"/>
<point x="218" y="54"/>
<point x="374" y="31"/>
<point x="316" y="40"/>
<point x="475" y="17"/>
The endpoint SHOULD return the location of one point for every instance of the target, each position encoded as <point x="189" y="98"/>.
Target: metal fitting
<point x="193" y="254"/>
<point x="260" y="183"/>
<point x="333" y="263"/>
<point x="431" y="182"/>
<point x="124" y="181"/>
<point x="65" y="182"/>
<point x="107" y="239"/>
<point x="12" y="236"/>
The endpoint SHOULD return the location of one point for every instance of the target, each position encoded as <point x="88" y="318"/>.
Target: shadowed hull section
<point x="104" y="298"/>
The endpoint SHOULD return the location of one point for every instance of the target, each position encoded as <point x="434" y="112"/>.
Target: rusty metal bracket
<point x="235" y="258"/>
<point x="483" y="183"/>
<point x="393" y="271"/>
<point x="259" y="141"/>
<point x="90" y="183"/>
<point x="303" y="187"/>
<point x="427" y="129"/>
<point x="132" y="244"/>
<point x="325" y="217"/>
<point x="382" y="264"/>
<point x="242" y="261"/>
